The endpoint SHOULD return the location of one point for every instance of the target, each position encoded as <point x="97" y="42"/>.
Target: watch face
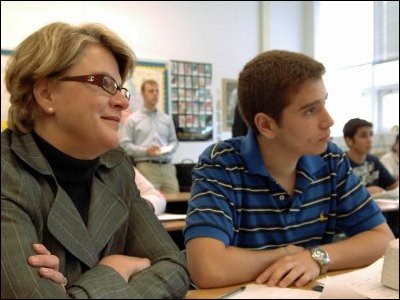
<point x="320" y="255"/>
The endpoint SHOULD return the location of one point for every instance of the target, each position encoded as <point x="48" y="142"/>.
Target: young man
<point x="265" y="207"/>
<point x="372" y="173"/>
<point x="144" y="133"/>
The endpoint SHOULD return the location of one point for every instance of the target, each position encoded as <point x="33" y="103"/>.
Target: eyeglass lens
<point x="111" y="86"/>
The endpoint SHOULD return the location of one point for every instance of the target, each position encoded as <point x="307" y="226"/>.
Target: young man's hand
<point x="153" y="151"/>
<point x="297" y="269"/>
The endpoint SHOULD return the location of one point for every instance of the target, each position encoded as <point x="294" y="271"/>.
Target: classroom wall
<point x="288" y="25"/>
<point x="226" y="34"/>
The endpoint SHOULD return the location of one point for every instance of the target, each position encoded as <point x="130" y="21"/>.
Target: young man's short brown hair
<point x="351" y="127"/>
<point x="149" y="82"/>
<point x="268" y="81"/>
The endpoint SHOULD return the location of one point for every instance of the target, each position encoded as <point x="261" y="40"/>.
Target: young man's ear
<point x="265" y="125"/>
<point x="42" y="92"/>
<point x="348" y="141"/>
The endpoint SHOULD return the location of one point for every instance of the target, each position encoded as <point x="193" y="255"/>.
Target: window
<point x="358" y="44"/>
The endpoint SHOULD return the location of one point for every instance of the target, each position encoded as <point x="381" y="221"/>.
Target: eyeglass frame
<point x="98" y="79"/>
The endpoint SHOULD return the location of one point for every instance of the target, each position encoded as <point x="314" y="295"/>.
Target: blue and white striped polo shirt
<point x="235" y="200"/>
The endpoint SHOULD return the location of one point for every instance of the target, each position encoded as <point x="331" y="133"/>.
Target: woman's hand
<point x="47" y="264"/>
<point x="125" y="265"/>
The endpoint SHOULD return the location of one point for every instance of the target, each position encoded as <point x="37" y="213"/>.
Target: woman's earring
<point x="51" y="109"/>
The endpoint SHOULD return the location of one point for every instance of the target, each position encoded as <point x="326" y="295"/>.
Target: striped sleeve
<point x="210" y="211"/>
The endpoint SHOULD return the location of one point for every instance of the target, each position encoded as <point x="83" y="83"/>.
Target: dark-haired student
<point x="266" y="207"/>
<point x="372" y="173"/>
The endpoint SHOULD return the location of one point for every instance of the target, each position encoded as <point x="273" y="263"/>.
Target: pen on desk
<point x="232" y="293"/>
<point x="318" y="288"/>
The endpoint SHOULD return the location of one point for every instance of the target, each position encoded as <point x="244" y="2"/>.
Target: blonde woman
<point x="66" y="185"/>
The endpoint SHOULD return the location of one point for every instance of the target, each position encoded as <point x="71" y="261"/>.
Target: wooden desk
<point x="388" y="205"/>
<point x="174" y="225"/>
<point x="177" y="197"/>
<point x="211" y="293"/>
<point x="218" y="292"/>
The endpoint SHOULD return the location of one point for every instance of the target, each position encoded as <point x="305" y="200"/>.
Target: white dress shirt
<point x="150" y="193"/>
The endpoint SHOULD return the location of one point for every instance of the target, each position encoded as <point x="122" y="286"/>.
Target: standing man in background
<point x="149" y="137"/>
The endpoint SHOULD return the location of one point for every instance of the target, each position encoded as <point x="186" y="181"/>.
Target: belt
<point x="154" y="162"/>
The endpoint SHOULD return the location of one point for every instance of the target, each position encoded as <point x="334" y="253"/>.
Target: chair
<point x="184" y="174"/>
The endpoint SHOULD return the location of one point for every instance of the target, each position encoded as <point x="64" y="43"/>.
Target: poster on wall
<point x="5" y="95"/>
<point x="144" y="70"/>
<point x="229" y="100"/>
<point x="191" y="100"/>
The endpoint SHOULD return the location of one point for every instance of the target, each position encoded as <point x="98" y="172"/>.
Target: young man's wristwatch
<point x="321" y="257"/>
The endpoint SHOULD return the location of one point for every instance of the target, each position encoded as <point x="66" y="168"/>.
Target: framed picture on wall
<point x="229" y="100"/>
<point x="144" y="70"/>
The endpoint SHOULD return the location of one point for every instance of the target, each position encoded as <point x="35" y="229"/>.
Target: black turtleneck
<point x="73" y="175"/>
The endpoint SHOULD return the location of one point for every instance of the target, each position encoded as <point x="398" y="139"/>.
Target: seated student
<point x="391" y="159"/>
<point x="148" y="192"/>
<point x="65" y="183"/>
<point x="373" y="175"/>
<point x="266" y="207"/>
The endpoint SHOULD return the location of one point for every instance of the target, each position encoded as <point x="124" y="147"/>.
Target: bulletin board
<point x="145" y="70"/>
<point x="191" y="99"/>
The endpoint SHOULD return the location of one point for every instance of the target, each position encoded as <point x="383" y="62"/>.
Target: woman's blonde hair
<point x="48" y="53"/>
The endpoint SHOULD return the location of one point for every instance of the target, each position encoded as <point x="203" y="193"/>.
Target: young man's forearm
<point x="224" y="266"/>
<point x="359" y="250"/>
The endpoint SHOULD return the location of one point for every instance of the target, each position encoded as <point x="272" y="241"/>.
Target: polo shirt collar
<point x="252" y="155"/>
<point x="309" y="164"/>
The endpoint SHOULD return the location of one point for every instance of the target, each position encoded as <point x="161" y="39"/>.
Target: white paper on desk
<point x="171" y="217"/>
<point x="387" y="204"/>
<point x="262" y="291"/>
<point x="359" y="284"/>
<point x="165" y="149"/>
<point x="392" y="194"/>
<point x="336" y="287"/>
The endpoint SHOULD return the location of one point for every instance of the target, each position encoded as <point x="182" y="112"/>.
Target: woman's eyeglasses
<point x="106" y="82"/>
